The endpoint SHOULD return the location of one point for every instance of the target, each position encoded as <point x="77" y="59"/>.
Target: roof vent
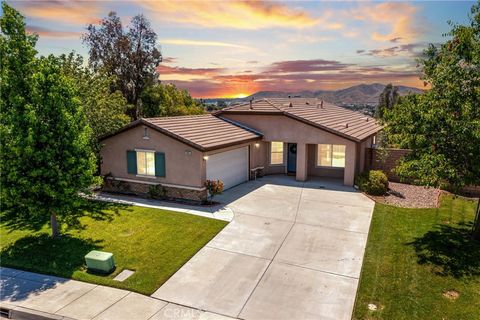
<point x="321" y="104"/>
<point x="251" y="104"/>
<point x="307" y="103"/>
<point x="346" y="125"/>
<point x="290" y="105"/>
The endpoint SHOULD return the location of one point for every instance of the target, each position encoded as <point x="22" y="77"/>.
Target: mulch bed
<point x="410" y="196"/>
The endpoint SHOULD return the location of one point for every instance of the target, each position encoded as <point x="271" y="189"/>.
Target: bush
<point x="214" y="187"/>
<point x="373" y="182"/>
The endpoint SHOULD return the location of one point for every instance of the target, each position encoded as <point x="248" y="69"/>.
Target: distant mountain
<point x="356" y="95"/>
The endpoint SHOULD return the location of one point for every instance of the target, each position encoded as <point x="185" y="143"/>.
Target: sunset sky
<point x="235" y="48"/>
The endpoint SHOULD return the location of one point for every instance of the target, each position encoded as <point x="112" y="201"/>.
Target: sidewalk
<point x="33" y="296"/>
<point x="219" y="212"/>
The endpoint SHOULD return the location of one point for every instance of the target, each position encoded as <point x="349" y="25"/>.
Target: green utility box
<point x="99" y="261"/>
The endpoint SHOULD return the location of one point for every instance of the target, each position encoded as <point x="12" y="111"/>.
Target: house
<point x="174" y="156"/>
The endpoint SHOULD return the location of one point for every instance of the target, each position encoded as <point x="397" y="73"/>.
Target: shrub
<point x="373" y="182"/>
<point x="214" y="187"/>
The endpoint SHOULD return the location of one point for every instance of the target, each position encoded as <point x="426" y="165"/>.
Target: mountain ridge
<point x="358" y="94"/>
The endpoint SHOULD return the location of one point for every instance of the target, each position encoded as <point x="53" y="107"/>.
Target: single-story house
<point x="174" y="156"/>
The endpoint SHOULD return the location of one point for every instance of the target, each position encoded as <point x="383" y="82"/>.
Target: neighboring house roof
<point x="203" y="132"/>
<point x="338" y="120"/>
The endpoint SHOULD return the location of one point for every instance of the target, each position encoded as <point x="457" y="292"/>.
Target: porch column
<point x="301" y="162"/>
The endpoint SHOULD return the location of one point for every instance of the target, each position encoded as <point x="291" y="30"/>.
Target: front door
<point x="292" y="157"/>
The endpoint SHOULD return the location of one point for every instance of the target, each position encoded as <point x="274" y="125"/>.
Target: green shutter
<point x="160" y="164"/>
<point x="131" y="162"/>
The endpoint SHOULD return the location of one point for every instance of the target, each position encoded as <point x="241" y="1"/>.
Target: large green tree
<point x="129" y="55"/>
<point x="442" y="126"/>
<point x="46" y="158"/>
<point x="388" y="98"/>
<point x="162" y="100"/>
<point x="105" y="109"/>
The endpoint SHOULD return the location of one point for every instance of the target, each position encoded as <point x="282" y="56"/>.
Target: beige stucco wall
<point x="362" y="149"/>
<point x="282" y="128"/>
<point x="313" y="170"/>
<point x="184" y="165"/>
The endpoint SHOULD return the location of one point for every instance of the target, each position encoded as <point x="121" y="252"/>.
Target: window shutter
<point x="131" y="162"/>
<point x="160" y="164"/>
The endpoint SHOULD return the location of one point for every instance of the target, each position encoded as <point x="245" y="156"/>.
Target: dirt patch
<point x="451" y="294"/>
<point x="410" y="196"/>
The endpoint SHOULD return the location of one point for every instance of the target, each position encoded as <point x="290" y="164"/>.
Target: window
<point x="276" y="152"/>
<point x="146" y="163"/>
<point x="331" y="155"/>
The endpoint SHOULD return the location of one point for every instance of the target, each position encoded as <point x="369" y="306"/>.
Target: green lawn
<point x="413" y="256"/>
<point x="155" y="243"/>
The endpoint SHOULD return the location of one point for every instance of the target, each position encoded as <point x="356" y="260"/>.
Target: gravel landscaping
<point x="409" y="196"/>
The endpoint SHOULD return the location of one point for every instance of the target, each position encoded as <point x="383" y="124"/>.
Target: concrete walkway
<point x="293" y="251"/>
<point x="32" y="296"/>
<point x="219" y="212"/>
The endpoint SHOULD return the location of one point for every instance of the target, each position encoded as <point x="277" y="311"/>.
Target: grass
<point x="155" y="243"/>
<point x="414" y="257"/>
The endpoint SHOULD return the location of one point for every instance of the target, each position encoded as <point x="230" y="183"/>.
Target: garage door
<point x="231" y="167"/>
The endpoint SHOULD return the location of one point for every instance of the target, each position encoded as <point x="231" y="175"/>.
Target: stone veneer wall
<point x="154" y="191"/>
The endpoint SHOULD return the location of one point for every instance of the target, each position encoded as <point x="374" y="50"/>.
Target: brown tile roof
<point x="203" y="132"/>
<point x="338" y="120"/>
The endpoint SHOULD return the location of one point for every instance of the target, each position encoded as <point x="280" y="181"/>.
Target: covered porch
<point x="307" y="160"/>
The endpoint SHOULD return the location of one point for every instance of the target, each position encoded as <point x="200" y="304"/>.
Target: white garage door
<point x="231" y="167"/>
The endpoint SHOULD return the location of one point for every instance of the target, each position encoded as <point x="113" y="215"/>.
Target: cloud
<point x="69" y="12"/>
<point x="290" y="75"/>
<point x="250" y="15"/>
<point x="187" y="42"/>
<point x="163" y="69"/>
<point x="410" y="49"/>
<point x="306" y="65"/>
<point x="169" y="59"/>
<point x="48" y="33"/>
<point x="396" y="20"/>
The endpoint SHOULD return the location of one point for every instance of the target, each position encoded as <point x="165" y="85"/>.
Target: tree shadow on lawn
<point x="94" y="209"/>
<point x="40" y="253"/>
<point x="450" y="249"/>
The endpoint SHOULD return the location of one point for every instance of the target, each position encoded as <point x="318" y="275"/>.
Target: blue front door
<point x="292" y="157"/>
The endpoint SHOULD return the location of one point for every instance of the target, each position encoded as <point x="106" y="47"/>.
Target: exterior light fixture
<point x="205" y="158"/>
<point x="257" y="145"/>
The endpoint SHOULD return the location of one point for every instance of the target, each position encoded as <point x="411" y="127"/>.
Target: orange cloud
<point x="293" y="76"/>
<point x="398" y="18"/>
<point x="48" y="33"/>
<point x="232" y="14"/>
<point x="187" y="42"/>
<point x="70" y="12"/>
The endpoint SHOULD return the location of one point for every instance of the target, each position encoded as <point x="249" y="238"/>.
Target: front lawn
<point x="155" y="243"/>
<point x="421" y="264"/>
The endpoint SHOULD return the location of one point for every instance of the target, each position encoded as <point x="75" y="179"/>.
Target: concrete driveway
<point x="293" y="251"/>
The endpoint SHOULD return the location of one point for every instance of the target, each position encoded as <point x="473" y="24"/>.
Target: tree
<point x="388" y="98"/>
<point x="46" y="158"/>
<point x="442" y="126"/>
<point x="131" y="55"/>
<point x="105" y="110"/>
<point x="161" y="100"/>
